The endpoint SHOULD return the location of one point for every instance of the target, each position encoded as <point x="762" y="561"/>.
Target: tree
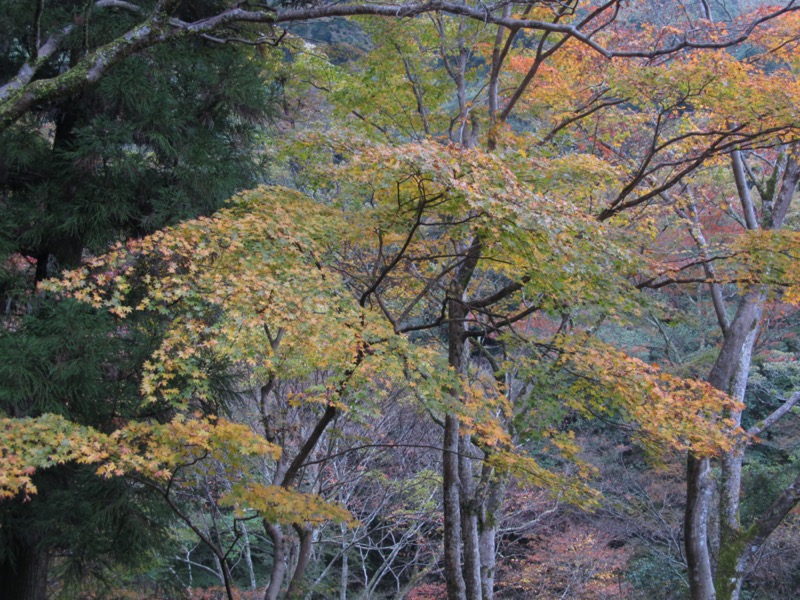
<point x="446" y="251"/>
<point x="738" y="544"/>
<point x="176" y="151"/>
<point x="54" y="363"/>
<point x="274" y="302"/>
<point x="226" y="22"/>
<point x="717" y="567"/>
<point x="667" y="148"/>
<point x="168" y="135"/>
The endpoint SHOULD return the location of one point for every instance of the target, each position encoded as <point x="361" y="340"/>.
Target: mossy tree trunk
<point x="722" y="579"/>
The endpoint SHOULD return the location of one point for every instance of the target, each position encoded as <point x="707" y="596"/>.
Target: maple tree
<point x="223" y="280"/>
<point x="722" y="576"/>
<point x="691" y="102"/>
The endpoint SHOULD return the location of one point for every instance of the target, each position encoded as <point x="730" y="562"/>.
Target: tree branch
<point x="22" y="93"/>
<point x="499" y="294"/>
<point x="779" y="412"/>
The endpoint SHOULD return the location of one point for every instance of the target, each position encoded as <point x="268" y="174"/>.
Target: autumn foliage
<point x="482" y="245"/>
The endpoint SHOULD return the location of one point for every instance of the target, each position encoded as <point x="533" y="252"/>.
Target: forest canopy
<point x="415" y="300"/>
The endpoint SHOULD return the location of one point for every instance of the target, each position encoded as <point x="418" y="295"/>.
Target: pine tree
<point x="167" y="134"/>
<point x="61" y="359"/>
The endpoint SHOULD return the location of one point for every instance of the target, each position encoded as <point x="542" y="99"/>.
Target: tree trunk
<point x="451" y="475"/>
<point x="488" y="532"/>
<point x="729" y="375"/>
<point x="345" y="575"/>
<point x="732" y="561"/>
<point x="469" y="522"/>
<point x="456" y="589"/>
<point x="26" y="577"/>
<point x="698" y="507"/>
<point x="278" y="573"/>
<point x="303" y="557"/>
<point x="452" y="471"/>
<point x="248" y="558"/>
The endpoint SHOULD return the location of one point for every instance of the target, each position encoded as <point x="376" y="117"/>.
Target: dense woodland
<point x="462" y="300"/>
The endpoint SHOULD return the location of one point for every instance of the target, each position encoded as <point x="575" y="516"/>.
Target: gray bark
<point x="698" y="508"/>
<point x="303" y="557"/>
<point x="489" y="518"/>
<point x="279" y="558"/>
<point x="456" y="588"/>
<point x="730" y="374"/>
<point x="248" y="557"/>
<point x="345" y="573"/>
<point x="451" y="476"/>
<point x="469" y="522"/>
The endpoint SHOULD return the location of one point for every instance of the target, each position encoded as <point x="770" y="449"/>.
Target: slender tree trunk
<point x="469" y="522"/>
<point x="698" y="510"/>
<point x="222" y="575"/>
<point x="303" y="557"/>
<point x="248" y="557"/>
<point x="729" y="374"/>
<point x="344" y="579"/>
<point x="451" y="468"/>
<point x="502" y="44"/>
<point x="456" y="588"/>
<point x="488" y="533"/>
<point x="279" y="566"/>
<point x="451" y="475"/>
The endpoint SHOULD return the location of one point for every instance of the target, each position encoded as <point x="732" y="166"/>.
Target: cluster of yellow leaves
<point x="619" y="111"/>
<point x="152" y="450"/>
<point x="571" y="488"/>
<point x="562" y="250"/>
<point x="279" y="505"/>
<point x="482" y="412"/>
<point x="776" y="42"/>
<point x="668" y="412"/>
<point x="711" y="91"/>
<point x="227" y="285"/>
<point x="567" y="80"/>
<point x="770" y="257"/>
<point x="762" y="257"/>
<point x="157" y="450"/>
<point x="31" y="444"/>
<point x="164" y="453"/>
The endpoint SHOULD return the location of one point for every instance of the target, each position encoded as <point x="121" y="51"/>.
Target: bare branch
<point x="708" y="268"/>
<point x="709" y="45"/>
<point x="779" y="412"/>
<point x="24" y="92"/>
<point x="499" y="295"/>
<point x="737" y="163"/>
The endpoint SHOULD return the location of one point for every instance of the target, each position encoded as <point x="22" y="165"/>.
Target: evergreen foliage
<point x="169" y="134"/>
<point x="61" y="359"/>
